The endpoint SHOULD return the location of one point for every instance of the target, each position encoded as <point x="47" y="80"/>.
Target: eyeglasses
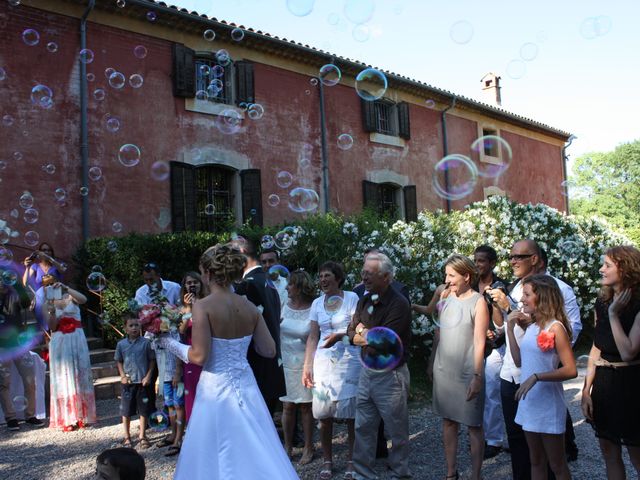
<point x="519" y="258"/>
<point x="150" y="266"/>
<point x="365" y="274"/>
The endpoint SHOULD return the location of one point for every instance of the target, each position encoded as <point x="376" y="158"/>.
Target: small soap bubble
<point x="95" y="173"/>
<point x="112" y="246"/>
<point x="86" y="55"/>
<point x="116" y="227"/>
<point x="202" y="95"/>
<point x="7" y="120"/>
<point x="6" y="255"/>
<point x="129" y="155"/>
<point x="569" y="250"/>
<point x="158" y="421"/>
<point x="26" y="200"/>
<point x="329" y="75"/>
<point x="516" y="69"/>
<point x="3" y="74"/>
<point x="359" y="11"/>
<point x="117" y="80"/>
<point x="160" y="171"/>
<point x="136" y="80"/>
<point x="361" y="33"/>
<point x="20" y="403"/>
<point x="229" y="121"/>
<point x="52" y="47"/>
<point x="278" y="271"/>
<point x="371" y="84"/>
<point x="209" y="209"/>
<point x="284" y="179"/>
<point x="496" y="147"/>
<point x="345" y="141"/>
<point x="99" y="94"/>
<point x="42" y="96"/>
<point x="429" y="103"/>
<point x="140" y="51"/>
<point x="3" y="164"/>
<point x="383" y="351"/>
<point x="255" y="111"/>
<point x="333" y="304"/>
<point x="151" y="16"/>
<point x="461" y="32"/>
<point x="96" y="282"/>
<point x="209" y="35"/>
<point x="283" y="240"/>
<point x="121" y="3"/>
<point x="60" y="194"/>
<point x="313" y="81"/>
<point x="273" y="200"/>
<point x="30" y="37"/>
<point x="333" y="18"/>
<point x="49" y="168"/>
<point x="217" y="71"/>
<point x="303" y="200"/>
<point x="300" y="8"/>
<point x="267" y="242"/>
<point x="455" y="176"/>
<point x="112" y="124"/>
<point x="96" y="268"/>
<point x="84" y="191"/>
<point x="17" y="155"/>
<point x="528" y="51"/>
<point x="223" y="57"/>
<point x="9" y="278"/>
<point x="31" y="215"/>
<point x="237" y="34"/>
<point x="31" y="238"/>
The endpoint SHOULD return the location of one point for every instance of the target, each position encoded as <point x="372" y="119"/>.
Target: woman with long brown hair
<point x="612" y="385"/>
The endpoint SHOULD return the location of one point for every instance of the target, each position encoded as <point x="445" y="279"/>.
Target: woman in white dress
<point x="332" y="372"/>
<point x="231" y="434"/>
<point x="294" y="330"/>
<point x="546" y="343"/>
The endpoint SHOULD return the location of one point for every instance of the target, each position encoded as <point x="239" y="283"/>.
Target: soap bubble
<point x="60" y="194"/>
<point x="209" y="209"/>
<point x="96" y="268"/>
<point x="9" y="277"/>
<point x="116" y="227"/>
<point x="528" y="51"/>
<point x="7" y="120"/>
<point x="329" y="75"/>
<point x="217" y="71"/>
<point x="229" y="122"/>
<point x="108" y="72"/>
<point x="582" y="361"/>
<point x="158" y="421"/>
<point x="151" y="16"/>
<point x="140" y="51"/>
<point x="461" y="32"/>
<point x="383" y="351"/>
<point x="201" y="95"/>
<point x="160" y="171"/>
<point x="516" y="69"/>
<point x="496" y="147"/>
<point x="86" y="56"/>
<point x="3" y="164"/>
<point x="117" y="80"/>
<point x="273" y="200"/>
<point x="31" y="238"/>
<point x="3" y="74"/>
<point x="15" y="344"/>
<point x="593" y="27"/>
<point x="345" y="141"/>
<point x="95" y="173"/>
<point x="84" y="191"/>
<point x="267" y="242"/>
<point x="136" y="80"/>
<point x="96" y="282"/>
<point x="237" y="34"/>
<point x="112" y="124"/>
<point x="42" y="96"/>
<point x="26" y="200"/>
<point x="283" y="240"/>
<point x="569" y="250"/>
<point x="129" y="155"/>
<point x="333" y="304"/>
<point x="284" y="179"/>
<point x="361" y="33"/>
<point x="31" y="215"/>
<point x="255" y="111"/>
<point x="278" y="271"/>
<point x="223" y="57"/>
<point x="121" y="3"/>
<point x="99" y="94"/>
<point x="6" y="255"/>
<point x="17" y="156"/>
<point x="359" y="11"/>
<point x="371" y="84"/>
<point x="303" y="200"/>
<point x="209" y="35"/>
<point x="430" y="103"/>
<point x="52" y="47"/>
<point x="49" y="168"/>
<point x="300" y="8"/>
<point x="30" y="37"/>
<point x="112" y="246"/>
<point x="455" y="176"/>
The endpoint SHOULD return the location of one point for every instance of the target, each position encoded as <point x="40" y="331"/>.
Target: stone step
<point x="105" y="369"/>
<point x="107" y="387"/>
<point x="94" y="343"/>
<point x="101" y="355"/>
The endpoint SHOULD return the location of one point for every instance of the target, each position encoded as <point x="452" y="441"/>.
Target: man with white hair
<point x="382" y="394"/>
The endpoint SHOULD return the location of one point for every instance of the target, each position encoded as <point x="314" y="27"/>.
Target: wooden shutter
<point x="183" y="196"/>
<point x="371" y="195"/>
<point x="368" y="116"/>
<point x="184" y="71"/>
<point x="244" y="82"/>
<point x="410" y="203"/>
<point x="404" y="129"/>
<point x="251" y="196"/>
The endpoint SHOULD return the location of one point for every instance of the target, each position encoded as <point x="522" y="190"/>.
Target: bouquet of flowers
<point x="159" y="318"/>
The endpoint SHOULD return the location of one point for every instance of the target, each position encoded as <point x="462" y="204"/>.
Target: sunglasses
<point x="519" y="258"/>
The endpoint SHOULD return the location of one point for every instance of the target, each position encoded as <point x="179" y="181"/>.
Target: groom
<point x="259" y="291"/>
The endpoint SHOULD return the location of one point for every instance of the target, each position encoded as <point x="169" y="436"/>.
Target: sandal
<point x="144" y="443"/>
<point x="173" y="450"/>
<point x="350" y="473"/>
<point x="456" y="476"/>
<point x="326" y="473"/>
<point x="165" y="442"/>
<point x="127" y="443"/>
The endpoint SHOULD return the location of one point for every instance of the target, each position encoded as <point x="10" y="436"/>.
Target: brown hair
<point x="550" y="304"/>
<point x="224" y="263"/>
<point x="627" y="259"/>
<point x="304" y="283"/>
<point x="183" y="287"/>
<point x="335" y="268"/>
<point x="464" y="266"/>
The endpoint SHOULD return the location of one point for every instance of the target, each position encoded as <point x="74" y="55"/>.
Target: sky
<point x="570" y="64"/>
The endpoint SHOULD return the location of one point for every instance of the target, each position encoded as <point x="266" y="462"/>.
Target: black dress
<point x="616" y="391"/>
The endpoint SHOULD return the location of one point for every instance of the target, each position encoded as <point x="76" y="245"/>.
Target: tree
<point x="610" y="186"/>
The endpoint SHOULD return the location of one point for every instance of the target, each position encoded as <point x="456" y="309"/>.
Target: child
<point x="546" y="343"/>
<point x="120" y="464"/>
<point x="136" y="362"/>
<point x="173" y="394"/>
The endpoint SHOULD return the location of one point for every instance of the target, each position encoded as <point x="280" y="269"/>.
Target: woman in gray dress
<point x="457" y="362"/>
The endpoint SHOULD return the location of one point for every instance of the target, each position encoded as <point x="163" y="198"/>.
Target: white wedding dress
<point x="230" y="433"/>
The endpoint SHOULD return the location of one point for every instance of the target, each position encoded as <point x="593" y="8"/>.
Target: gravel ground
<point x="47" y="454"/>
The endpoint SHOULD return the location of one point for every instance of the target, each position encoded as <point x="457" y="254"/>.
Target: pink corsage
<point x="546" y="340"/>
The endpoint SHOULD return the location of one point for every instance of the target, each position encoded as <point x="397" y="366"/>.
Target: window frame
<point x="490" y="129"/>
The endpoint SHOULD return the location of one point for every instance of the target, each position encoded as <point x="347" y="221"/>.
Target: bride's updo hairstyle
<point x="224" y="263"/>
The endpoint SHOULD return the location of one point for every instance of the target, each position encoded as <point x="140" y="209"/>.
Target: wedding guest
<point x="271" y="258"/>
<point x="546" y="343"/>
<point x="192" y="290"/>
<point x="39" y="263"/>
<point x="120" y="464"/>
<point x="72" y="402"/>
<point x="155" y="288"/>
<point x="382" y="394"/>
<point x="458" y="363"/>
<point x="332" y="366"/>
<point x="294" y="331"/>
<point x="13" y="302"/>
<point x="135" y="361"/>
<point x="612" y="383"/>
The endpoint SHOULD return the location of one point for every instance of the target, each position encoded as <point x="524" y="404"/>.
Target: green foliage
<point x="609" y="187"/>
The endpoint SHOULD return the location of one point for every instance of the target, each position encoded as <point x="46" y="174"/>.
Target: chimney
<point x="491" y="89"/>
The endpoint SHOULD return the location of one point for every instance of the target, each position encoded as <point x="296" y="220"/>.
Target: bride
<point x="231" y="434"/>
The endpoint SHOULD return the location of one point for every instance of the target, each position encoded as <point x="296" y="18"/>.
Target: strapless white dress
<point x="230" y="433"/>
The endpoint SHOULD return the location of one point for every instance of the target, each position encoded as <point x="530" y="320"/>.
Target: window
<point x="214" y="82"/>
<point x="388" y="199"/>
<point x="386" y="117"/>
<point x="491" y="149"/>
<point x="205" y="197"/>
<point x="387" y="205"/>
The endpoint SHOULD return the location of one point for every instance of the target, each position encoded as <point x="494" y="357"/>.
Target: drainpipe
<point x="84" y="134"/>
<point x="323" y="140"/>
<point x="565" y="159"/>
<point x="445" y="148"/>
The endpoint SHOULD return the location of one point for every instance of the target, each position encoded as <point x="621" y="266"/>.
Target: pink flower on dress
<point x="546" y="341"/>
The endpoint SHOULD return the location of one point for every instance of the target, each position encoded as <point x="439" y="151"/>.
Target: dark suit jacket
<point x="268" y="371"/>
<point x="398" y="286"/>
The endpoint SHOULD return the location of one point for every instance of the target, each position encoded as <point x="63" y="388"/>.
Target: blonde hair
<point x="224" y="263"/>
<point x="550" y="303"/>
<point x="464" y="266"/>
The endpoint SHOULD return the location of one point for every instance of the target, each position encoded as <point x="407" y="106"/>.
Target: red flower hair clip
<point x="546" y="340"/>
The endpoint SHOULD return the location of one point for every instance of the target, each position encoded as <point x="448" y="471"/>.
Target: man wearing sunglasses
<point x="155" y="287"/>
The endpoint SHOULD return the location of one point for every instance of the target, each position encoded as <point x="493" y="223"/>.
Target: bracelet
<point x="537" y="378"/>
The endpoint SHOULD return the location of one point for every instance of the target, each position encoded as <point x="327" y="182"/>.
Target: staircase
<point x="106" y="379"/>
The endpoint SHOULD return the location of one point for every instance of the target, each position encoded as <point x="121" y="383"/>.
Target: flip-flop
<point x="144" y="444"/>
<point x="173" y="450"/>
<point x="164" y="443"/>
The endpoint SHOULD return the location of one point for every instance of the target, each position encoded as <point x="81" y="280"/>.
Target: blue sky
<point x="584" y="76"/>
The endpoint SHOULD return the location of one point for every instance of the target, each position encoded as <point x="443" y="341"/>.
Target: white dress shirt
<point x="170" y="291"/>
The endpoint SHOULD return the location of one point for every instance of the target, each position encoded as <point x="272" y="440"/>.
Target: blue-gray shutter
<point x="404" y="128"/>
<point x="410" y="203"/>
<point x="370" y="195"/>
<point x="251" y="196"/>
<point x="368" y="116"/>
<point x="244" y="82"/>
<point x="183" y="196"/>
<point x="184" y="71"/>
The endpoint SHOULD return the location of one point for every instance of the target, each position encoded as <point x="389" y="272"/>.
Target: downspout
<point x="323" y="140"/>
<point x="565" y="159"/>
<point x="445" y="148"/>
<point x="84" y="133"/>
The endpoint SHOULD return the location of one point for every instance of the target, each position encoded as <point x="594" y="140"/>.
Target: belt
<point x="601" y="362"/>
